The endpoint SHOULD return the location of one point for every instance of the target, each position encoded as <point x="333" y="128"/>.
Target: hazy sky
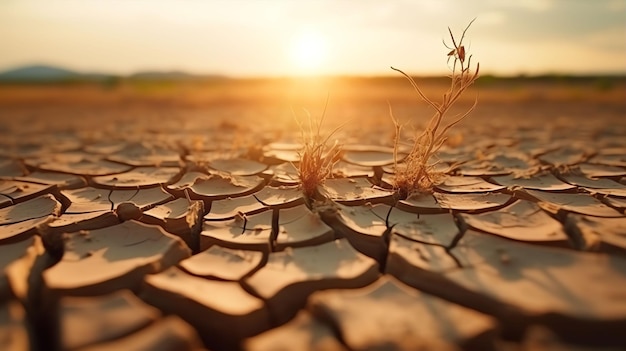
<point x="283" y="37"/>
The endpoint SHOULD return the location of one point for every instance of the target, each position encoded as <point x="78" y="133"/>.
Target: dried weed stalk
<point x="317" y="158"/>
<point x="417" y="175"/>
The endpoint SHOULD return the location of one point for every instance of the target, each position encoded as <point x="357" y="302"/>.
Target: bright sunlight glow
<point x="309" y="52"/>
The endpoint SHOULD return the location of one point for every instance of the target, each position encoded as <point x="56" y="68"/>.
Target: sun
<point x="309" y="52"/>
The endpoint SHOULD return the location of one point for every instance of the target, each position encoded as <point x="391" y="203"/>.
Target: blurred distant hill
<point x="157" y="75"/>
<point x="43" y="73"/>
<point x="52" y="74"/>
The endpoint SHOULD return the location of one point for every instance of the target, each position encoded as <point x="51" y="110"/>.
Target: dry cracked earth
<point x="163" y="241"/>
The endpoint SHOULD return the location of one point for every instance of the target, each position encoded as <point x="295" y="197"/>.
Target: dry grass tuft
<point x="317" y="157"/>
<point x="416" y="174"/>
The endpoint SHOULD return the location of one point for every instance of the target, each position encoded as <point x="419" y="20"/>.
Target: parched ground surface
<point x="171" y="229"/>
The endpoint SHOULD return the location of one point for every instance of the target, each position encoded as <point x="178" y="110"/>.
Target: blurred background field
<point x="204" y="101"/>
<point x="218" y="91"/>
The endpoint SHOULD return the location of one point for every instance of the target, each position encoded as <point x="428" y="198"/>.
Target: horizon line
<point x="217" y="75"/>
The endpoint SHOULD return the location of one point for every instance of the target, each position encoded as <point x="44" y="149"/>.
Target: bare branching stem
<point x="417" y="173"/>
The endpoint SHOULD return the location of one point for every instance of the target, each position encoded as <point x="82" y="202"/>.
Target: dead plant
<point x="416" y="174"/>
<point x="317" y="157"/>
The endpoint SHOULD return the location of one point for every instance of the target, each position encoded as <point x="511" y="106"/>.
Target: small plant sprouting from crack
<point x="317" y="157"/>
<point x="417" y="174"/>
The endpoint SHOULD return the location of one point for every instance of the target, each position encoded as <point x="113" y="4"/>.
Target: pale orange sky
<point x="287" y="37"/>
